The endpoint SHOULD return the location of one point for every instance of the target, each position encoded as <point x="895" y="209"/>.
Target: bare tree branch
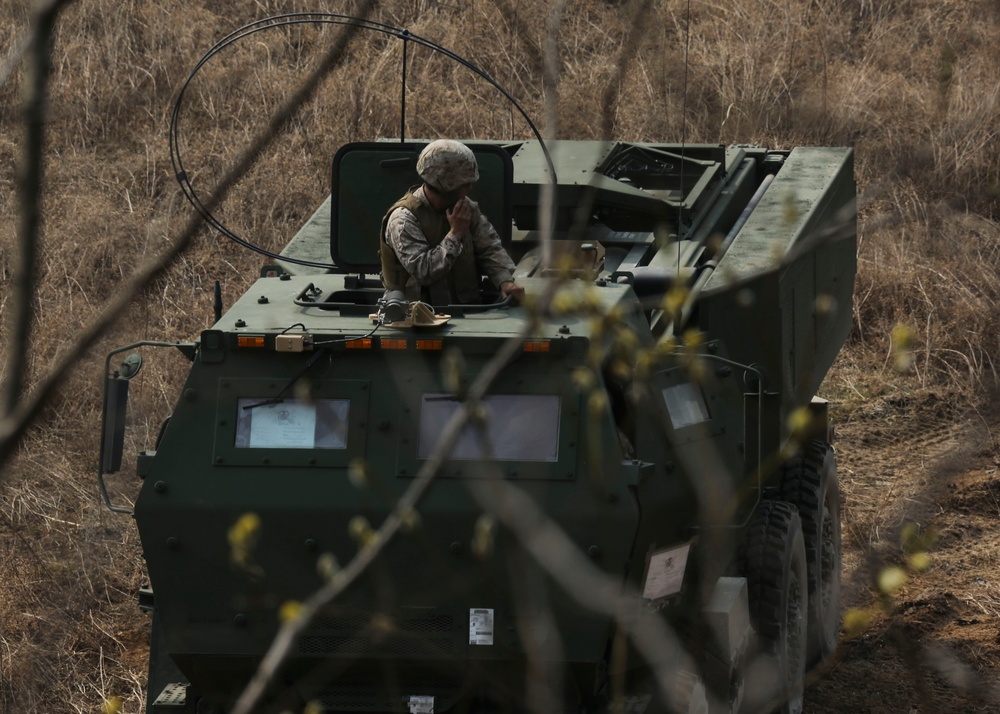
<point x="292" y="630"/>
<point x="550" y="85"/>
<point x="630" y="44"/>
<point x="20" y="46"/>
<point x="14" y="57"/>
<point x="543" y="659"/>
<point x="20" y="417"/>
<point x="580" y="579"/>
<point x="29" y="188"/>
<point x="509" y="14"/>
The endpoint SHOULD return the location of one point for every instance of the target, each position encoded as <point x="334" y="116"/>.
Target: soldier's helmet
<point x="446" y="164"/>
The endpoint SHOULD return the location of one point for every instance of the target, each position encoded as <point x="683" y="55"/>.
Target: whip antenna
<point x="684" y="102"/>
<point x="405" y="35"/>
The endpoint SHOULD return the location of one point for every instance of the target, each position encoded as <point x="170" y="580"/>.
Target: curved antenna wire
<point x="684" y="122"/>
<point x="315" y="18"/>
<point x="402" y="99"/>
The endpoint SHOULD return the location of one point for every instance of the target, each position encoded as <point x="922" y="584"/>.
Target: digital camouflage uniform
<point x="420" y="255"/>
<point x="428" y="259"/>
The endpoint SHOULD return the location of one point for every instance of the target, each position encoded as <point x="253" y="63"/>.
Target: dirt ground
<point x="917" y="465"/>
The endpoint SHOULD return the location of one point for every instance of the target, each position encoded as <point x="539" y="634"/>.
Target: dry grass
<point x="910" y="84"/>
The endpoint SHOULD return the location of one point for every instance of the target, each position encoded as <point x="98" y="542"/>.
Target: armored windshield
<point x="519" y="427"/>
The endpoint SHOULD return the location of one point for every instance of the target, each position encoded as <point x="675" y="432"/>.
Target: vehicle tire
<point x="809" y="482"/>
<point x="775" y="563"/>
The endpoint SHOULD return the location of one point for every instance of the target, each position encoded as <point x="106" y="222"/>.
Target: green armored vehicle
<point x="619" y="495"/>
<point x="659" y="412"/>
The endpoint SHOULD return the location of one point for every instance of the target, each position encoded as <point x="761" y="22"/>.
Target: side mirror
<point x="115" y="406"/>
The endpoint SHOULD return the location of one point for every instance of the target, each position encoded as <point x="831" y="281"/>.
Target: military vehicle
<point x="659" y="416"/>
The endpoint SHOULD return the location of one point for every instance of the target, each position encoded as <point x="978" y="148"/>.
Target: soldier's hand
<point x="512" y="289"/>
<point x="459" y="217"/>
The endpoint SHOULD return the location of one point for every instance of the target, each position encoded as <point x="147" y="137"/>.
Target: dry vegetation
<point x="911" y="84"/>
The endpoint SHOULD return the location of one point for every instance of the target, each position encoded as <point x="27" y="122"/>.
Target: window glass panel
<point x="520" y="427"/>
<point x="292" y="424"/>
<point x="685" y="405"/>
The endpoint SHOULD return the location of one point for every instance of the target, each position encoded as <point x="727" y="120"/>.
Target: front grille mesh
<point x="375" y="698"/>
<point x="360" y="633"/>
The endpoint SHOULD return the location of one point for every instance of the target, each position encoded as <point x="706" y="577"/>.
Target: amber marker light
<point x="392" y="344"/>
<point x="536" y="346"/>
<point x="250" y="341"/>
<point x="364" y="344"/>
<point x="428" y="344"/>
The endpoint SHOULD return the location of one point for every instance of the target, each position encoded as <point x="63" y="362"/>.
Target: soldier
<point x="435" y="241"/>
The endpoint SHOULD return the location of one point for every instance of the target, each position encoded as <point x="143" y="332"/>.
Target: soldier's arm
<point x="425" y="264"/>
<point x="490" y="254"/>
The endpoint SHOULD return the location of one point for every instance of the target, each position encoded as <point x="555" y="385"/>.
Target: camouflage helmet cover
<point x="446" y="164"/>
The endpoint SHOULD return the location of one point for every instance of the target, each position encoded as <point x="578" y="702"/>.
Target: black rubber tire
<point x="776" y="572"/>
<point x="809" y="482"/>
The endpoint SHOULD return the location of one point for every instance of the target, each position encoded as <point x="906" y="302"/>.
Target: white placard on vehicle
<point x="665" y="572"/>
<point x="480" y="626"/>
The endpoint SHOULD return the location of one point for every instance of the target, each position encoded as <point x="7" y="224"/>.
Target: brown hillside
<point x="910" y="84"/>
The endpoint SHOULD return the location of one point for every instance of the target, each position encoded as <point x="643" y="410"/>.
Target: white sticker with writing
<point x="289" y="425"/>
<point x="480" y="626"/>
<point x="665" y="572"/>
<point x="421" y="704"/>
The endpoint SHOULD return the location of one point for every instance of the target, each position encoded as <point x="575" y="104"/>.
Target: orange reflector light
<point x="365" y="344"/>
<point x="428" y="344"/>
<point x="536" y="346"/>
<point x="250" y="341"/>
<point x="393" y="344"/>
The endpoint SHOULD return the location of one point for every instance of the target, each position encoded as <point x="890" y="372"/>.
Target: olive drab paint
<point x="648" y="414"/>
